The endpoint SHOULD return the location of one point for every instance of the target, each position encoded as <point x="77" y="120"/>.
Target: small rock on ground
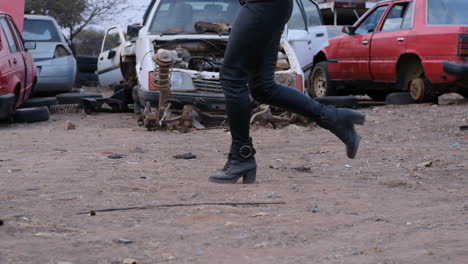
<point x="69" y="125"/>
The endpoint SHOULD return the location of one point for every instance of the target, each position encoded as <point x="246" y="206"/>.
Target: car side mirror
<point x="29" y="45"/>
<point x="133" y="30"/>
<point x="112" y="54"/>
<point x="348" y="29"/>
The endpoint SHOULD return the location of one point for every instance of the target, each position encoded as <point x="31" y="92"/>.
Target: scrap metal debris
<point x="65" y="109"/>
<point x="116" y="156"/>
<point x="186" y="156"/>
<point x="123" y="241"/>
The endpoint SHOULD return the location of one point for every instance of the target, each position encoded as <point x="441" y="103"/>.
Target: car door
<point x="27" y="59"/>
<point x="316" y="30"/>
<point x="390" y="41"/>
<point x="353" y="55"/>
<point x="15" y="69"/>
<point x="108" y="69"/>
<point x="298" y="35"/>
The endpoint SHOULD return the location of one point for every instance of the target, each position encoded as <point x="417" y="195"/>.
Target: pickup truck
<point x="198" y="32"/>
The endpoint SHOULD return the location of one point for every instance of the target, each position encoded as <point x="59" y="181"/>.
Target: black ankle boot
<point x="241" y="163"/>
<point x="341" y="123"/>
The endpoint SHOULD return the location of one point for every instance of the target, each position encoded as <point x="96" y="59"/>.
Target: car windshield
<point x="194" y="17"/>
<point x="447" y="12"/>
<point x="40" y="31"/>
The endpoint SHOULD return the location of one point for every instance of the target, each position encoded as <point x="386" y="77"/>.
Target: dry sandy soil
<point x="404" y="199"/>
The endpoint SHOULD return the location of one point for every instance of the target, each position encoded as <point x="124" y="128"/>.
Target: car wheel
<point x="32" y="114"/>
<point x="399" y="99"/>
<point x="320" y="81"/>
<point x="420" y="90"/>
<point x="40" y="101"/>
<point x="75" y="98"/>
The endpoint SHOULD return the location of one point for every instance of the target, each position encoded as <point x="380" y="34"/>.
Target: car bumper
<point x="54" y="84"/>
<point x="7" y="105"/>
<point x="213" y="102"/>
<point x="57" y="75"/>
<point x="456" y="68"/>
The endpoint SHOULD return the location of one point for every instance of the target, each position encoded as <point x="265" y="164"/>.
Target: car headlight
<point x="286" y="79"/>
<point x="181" y="82"/>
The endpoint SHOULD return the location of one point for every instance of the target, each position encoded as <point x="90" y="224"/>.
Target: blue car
<point x="56" y="65"/>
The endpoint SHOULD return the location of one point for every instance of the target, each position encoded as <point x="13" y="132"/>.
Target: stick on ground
<point x="178" y="205"/>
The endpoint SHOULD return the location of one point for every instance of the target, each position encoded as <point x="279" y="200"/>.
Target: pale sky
<point x="133" y="14"/>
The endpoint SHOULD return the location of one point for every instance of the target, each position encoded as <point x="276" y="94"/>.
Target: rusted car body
<point x="420" y="46"/>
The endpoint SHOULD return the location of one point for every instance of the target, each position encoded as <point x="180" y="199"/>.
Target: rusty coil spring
<point x="162" y="76"/>
<point x="65" y="109"/>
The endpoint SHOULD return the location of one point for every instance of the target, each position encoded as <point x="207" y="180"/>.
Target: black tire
<point x="464" y="93"/>
<point x="40" y="101"/>
<point x="319" y="81"/>
<point x="75" y="98"/>
<point x="377" y="95"/>
<point x="32" y="114"/>
<point x="338" y="101"/>
<point x="400" y="99"/>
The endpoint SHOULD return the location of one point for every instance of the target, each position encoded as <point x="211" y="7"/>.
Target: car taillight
<point x="151" y="76"/>
<point x="463" y="45"/>
<point x="299" y="83"/>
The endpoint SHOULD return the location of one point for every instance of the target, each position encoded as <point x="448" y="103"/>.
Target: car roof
<point x="39" y="17"/>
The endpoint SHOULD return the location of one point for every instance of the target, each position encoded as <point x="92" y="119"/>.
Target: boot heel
<point x="358" y="118"/>
<point x="249" y="177"/>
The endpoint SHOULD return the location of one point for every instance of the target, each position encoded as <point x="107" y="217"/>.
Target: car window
<point x="180" y="16"/>
<point x="447" y="12"/>
<point x="394" y="19"/>
<point x="19" y="40"/>
<point x="9" y="35"/>
<point x="371" y="21"/>
<point x="112" y="39"/>
<point x="39" y="30"/>
<point x="313" y="13"/>
<point x="297" y="18"/>
<point x="408" y="19"/>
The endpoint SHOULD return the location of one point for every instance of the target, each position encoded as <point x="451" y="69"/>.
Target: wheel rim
<point x="320" y="83"/>
<point x="418" y="89"/>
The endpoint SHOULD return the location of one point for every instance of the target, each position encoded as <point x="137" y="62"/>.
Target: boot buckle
<point x="246" y="152"/>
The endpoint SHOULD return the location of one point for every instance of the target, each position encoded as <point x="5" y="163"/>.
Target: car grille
<point x="208" y="86"/>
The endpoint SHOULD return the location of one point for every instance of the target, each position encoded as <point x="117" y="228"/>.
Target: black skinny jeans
<point x="250" y="59"/>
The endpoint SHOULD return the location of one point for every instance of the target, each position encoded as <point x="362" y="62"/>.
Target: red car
<point x="17" y="70"/>
<point x="420" y="46"/>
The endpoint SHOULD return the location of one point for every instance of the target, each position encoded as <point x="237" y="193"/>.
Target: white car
<point x="194" y="29"/>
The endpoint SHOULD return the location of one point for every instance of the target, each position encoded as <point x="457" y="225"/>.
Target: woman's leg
<point x="249" y="36"/>
<point x="265" y="90"/>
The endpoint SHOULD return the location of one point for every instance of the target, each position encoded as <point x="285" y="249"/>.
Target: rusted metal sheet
<point x="220" y="28"/>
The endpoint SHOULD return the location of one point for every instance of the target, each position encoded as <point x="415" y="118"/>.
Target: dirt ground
<point x="404" y="199"/>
